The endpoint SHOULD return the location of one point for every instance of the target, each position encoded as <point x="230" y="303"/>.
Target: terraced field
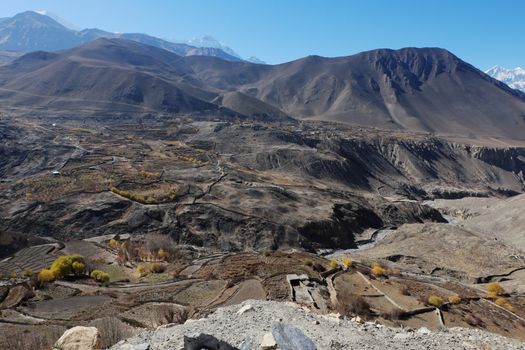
<point x="33" y="258"/>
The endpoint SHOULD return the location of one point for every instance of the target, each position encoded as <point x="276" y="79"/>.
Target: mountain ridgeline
<point x="419" y="89"/>
<point x="31" y="31"/>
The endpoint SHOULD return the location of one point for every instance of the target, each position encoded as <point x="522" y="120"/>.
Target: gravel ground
<point x="327" y="332"/>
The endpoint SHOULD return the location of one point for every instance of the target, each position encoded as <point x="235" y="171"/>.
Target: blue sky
<point x="481" y="32"/>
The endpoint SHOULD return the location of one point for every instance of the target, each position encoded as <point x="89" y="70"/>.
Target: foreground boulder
<point x="289" y="337"/>
<point x="79" y="338"/>
<point x="206" y="341"/>
<point x="16" y="295"/>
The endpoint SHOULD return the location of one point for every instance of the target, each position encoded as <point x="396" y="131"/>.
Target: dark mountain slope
<point x="112" y="76"/>
<point x="426" y="89"/>
<point x="101" y="72"/>
<point x="251" y="107"/>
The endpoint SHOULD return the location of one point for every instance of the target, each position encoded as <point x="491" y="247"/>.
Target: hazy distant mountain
<point x="116" y="75"/>
<point x="60" y="20"/>
<point x="515" y="78"/>
<point x="209" y="41"/>
<point x="31" y="31"/>
<point x="420" y="89"/>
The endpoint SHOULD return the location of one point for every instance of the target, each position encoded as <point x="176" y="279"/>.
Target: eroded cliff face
<point x="510" y="159"/>
<point x="235" y="186"/>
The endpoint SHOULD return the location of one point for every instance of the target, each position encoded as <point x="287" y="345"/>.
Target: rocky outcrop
<point x="16" y="295"/>
<point x="510" y="159"/>
<point x="304" y="186"/>
<point x="296" y="328"/>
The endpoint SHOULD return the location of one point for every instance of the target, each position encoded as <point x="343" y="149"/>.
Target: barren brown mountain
<point x="427" y="89"/>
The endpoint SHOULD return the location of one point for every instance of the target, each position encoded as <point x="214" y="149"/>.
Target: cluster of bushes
<point x="64" y="266"/>
<point x="438" y="301"/>
<point x="378" y="270"/>
<point x="496" y="291"/>
<point x="161" y="247"/>
<point x="332" y="264"/>
<point x="70" y="266"/>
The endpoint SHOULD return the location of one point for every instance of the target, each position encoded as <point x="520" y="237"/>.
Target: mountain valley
<point x="152" y="190"/>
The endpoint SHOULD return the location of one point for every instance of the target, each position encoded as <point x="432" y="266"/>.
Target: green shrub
<point x="494" y="289"/>
<point x="78" y="268"/>
<point x="100" y="276"/>
<point x="454" y="299"/>
<point x="142" y="270"/>
<point x="435" y="300"/>
<point x="46" y="275"/>
<point x="378" y="270"/>
<point x="332" y="264"/>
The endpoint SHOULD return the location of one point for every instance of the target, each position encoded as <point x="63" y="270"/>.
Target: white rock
<point x="268" y="342"/>
<point x="143" y="346"/>
<point x="401" y="336"/>
<point x="423" y="330"/>
<point x="356" y="319"/>
<point x="79" y="338"/>
<point x="245" y="308"/>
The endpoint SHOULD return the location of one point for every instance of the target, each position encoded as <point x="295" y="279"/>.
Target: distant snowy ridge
<point x="209" y="41"/>
<point x="60" y="20"/>
<point x="515" y="78"/>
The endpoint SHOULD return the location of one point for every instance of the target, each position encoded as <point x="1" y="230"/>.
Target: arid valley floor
<point x="189" y="215"/>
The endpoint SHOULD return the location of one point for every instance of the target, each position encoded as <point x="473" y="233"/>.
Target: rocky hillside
<point x="204" y="183"/>
<point x="425" y="89"/>
<point x="275" y="325"/>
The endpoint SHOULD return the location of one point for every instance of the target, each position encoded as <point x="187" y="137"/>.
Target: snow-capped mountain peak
<point x="209" y="41"/>
<point x="60" y="20"/>
<point x="254" y="59"/>
<point x="515" y="78"/>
